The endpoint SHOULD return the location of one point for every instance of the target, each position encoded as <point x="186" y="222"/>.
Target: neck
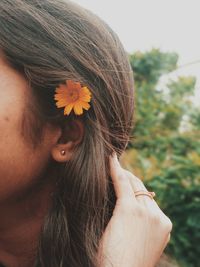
<point x="21" y="223"/>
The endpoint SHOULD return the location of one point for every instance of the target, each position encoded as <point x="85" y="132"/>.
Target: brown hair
<point x="50" y="41"/>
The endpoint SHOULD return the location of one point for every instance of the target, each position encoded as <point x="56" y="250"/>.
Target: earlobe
<point x="62" y="152"/>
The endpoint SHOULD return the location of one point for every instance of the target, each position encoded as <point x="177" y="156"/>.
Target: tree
<point x="166" y="148"/>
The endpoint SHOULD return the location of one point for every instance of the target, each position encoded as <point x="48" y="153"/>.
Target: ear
<point x="67" y="139"/>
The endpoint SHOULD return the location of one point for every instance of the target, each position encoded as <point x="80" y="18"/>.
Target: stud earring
<point x="62" y="152"/>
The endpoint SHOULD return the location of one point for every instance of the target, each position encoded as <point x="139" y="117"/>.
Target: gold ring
<point x="146" y="193"/>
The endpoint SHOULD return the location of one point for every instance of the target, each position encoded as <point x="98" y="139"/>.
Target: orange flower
<point x="72" y="96"/>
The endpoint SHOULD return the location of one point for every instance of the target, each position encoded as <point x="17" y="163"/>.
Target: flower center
<point x="73" y="95"/>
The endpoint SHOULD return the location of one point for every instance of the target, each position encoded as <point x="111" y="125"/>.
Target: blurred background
<point x="161" y="38"/>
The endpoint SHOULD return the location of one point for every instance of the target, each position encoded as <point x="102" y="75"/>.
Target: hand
<point x="138" y="231"/>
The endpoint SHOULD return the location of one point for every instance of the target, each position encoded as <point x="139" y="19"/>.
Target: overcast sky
<point x="171" y="25"/>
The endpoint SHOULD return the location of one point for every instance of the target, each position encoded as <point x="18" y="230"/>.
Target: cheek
<point x="20" y="166"/>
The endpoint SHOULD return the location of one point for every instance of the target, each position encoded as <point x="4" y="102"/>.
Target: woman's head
<point x="44" y="43"/>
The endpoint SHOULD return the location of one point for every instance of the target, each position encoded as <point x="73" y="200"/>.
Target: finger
<point x="138" y="185"/>
<point x="122" y="186"/>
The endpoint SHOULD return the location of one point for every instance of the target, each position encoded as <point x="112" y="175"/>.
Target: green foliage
<point x="166" y="148"/>
<point x="150" y="66"/>
<point x="185" y="87"/>
<point x="195" y="119"/>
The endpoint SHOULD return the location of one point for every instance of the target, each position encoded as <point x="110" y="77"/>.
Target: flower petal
<point x="85" y="98"/>
<point x="85" y="91"/>
<point x="73" y="85"/>
<point x="60" y="96"/>
<point x="78" y="109"/>
<point x="61" y="88"/>
<point x="85" y="105"/>
<point x="62" y="103"/>
<point x="68" y="109"/>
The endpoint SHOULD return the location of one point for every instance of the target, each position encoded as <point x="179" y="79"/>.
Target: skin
<point x="22" y="204"/>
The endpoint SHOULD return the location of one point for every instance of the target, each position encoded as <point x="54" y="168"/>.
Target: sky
<point x="171" y="25"/>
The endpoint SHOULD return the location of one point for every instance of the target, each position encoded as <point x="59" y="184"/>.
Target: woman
<point x="66" y="105"/>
